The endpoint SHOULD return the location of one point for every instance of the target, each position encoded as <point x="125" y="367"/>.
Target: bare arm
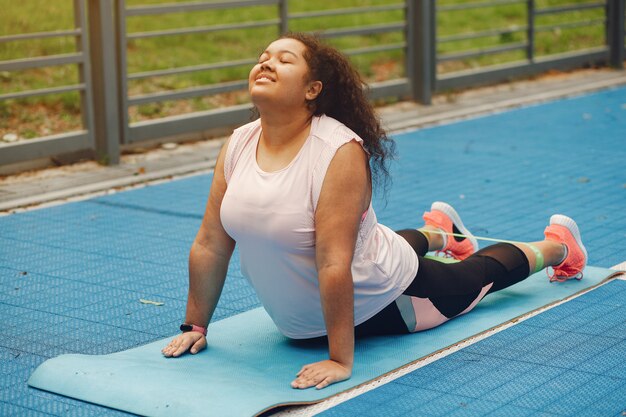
<point x="210" y="254"/>
<point x="345" y="195"/>
<point x="208" y="265"/>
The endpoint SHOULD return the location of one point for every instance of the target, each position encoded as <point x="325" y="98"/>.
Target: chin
<point x="260" y="98"/>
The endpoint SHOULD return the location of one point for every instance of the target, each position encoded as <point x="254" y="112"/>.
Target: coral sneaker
<point x="564" y="230"/>
<point x="444" y="217"/>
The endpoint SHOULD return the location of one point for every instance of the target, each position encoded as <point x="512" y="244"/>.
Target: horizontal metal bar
<point x="42" y="92"/>
<point x="187" y="93"/>
<point x="570" y="25"/>
<point x="44" y="147"/>
<point x="195" y="68"/>
<point x="569" y="8"/>
<point x="187" y="123"/>
<point x="347" y="11"/>
<point x="202" y="29"/>
<point x="232" y="116"/>
<point x="400" y="87"/>
<point x="373" y="49"/>
<point x="498" y="73"/>
<point x="477" y="35"/>
<point x="478" y="5"/>
<point x="40" y="35"/>
<point x="362" y="30"/>
<point x="49" y="61"/>
<point x="456" y="56"/>
<point x="194" y="7"/>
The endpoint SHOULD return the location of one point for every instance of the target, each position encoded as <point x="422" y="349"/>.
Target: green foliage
<point x="181" y="50"/>
<point x="29" y="134"/>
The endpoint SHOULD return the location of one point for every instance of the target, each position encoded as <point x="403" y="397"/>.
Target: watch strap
<point x="192" y="328"/>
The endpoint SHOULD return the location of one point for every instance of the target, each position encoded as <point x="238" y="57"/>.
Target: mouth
<point x="264" y="77"/>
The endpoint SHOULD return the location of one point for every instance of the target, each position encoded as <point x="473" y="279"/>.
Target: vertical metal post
<point x="283" y="12"/>
<point x="615" y="35"/>
<point x="122" y="70"/>
<point x="433" y="45"/>
<point x="422" y="49"/>
<point x="530" y="51"/>
<point x="105" y="81"/>
<point x="84" y="69"/>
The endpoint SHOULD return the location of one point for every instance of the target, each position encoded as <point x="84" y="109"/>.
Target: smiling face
<point x="281" y="77"/>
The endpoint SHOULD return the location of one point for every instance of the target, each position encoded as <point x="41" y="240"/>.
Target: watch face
<point x="185" y="327"/>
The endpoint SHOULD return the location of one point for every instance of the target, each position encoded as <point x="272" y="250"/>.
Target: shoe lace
<point x="562" y="272"/>
<point x="564" y="275"/>
<point x="444" y="253"/>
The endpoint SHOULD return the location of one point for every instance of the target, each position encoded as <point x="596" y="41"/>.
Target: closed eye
<point x="284" y="57"/>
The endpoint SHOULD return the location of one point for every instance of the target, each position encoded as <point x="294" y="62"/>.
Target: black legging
<point x="451" y="287"/>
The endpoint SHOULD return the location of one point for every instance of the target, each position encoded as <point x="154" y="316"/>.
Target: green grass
<point x="62" y="111"/>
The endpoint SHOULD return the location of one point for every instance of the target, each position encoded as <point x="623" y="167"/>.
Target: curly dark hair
<point x="344" y="98"/>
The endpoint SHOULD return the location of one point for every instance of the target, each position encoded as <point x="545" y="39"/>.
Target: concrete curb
<point x="490" y="108"/>
<point x="407" y="120"/>
<point x="101" y="186"/>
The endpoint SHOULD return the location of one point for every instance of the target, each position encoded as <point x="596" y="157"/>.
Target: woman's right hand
<point x="193" y="342"/>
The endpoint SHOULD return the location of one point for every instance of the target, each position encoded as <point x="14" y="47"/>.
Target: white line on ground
<point x="128" y="183"/>
<point x="311" y="410"/>
<point x="620" y="267"/>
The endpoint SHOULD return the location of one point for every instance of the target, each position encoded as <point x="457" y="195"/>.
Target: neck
<point x="282" y="128"/>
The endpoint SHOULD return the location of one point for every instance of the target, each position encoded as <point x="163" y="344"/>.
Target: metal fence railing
<point x="151" y="129"/>
<point x="63" y="142"/>
<point x="431" y="59"/>
<point x="532" y="62"/>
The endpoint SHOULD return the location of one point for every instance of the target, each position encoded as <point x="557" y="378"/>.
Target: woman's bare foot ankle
<point x="435" y="237"/>
<point x="554" y="252"/>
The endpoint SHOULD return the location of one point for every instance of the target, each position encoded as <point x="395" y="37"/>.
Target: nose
<point x="267" y="66"/>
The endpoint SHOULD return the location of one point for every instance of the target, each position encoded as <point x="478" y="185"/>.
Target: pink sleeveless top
<point x="271" y="216"/>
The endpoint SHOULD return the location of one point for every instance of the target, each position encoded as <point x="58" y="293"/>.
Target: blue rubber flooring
<point x="72" y="276"/>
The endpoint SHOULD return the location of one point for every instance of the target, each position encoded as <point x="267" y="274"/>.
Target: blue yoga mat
<point x="248" y="365"/>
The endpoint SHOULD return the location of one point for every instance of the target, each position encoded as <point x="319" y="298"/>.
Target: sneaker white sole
<point x="571" y="225"/>
<point x="456" y="219"/>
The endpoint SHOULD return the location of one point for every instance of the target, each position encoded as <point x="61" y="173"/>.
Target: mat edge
<point x="514" y="320"/>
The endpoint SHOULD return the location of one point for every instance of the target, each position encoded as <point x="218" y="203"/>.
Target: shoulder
<point x="331" y="136"/>
<point x="350" y="149"/>
<point x="241" y="136"/>
<point x="333" y="133"/>
<point x="247" y="129"/>
<point x="236" y="144"/>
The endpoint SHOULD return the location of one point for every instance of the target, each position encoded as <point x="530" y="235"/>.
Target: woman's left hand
<point x="321" y="374"/>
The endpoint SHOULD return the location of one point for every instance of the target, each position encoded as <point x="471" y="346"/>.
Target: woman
<point x="294" y="188"/>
